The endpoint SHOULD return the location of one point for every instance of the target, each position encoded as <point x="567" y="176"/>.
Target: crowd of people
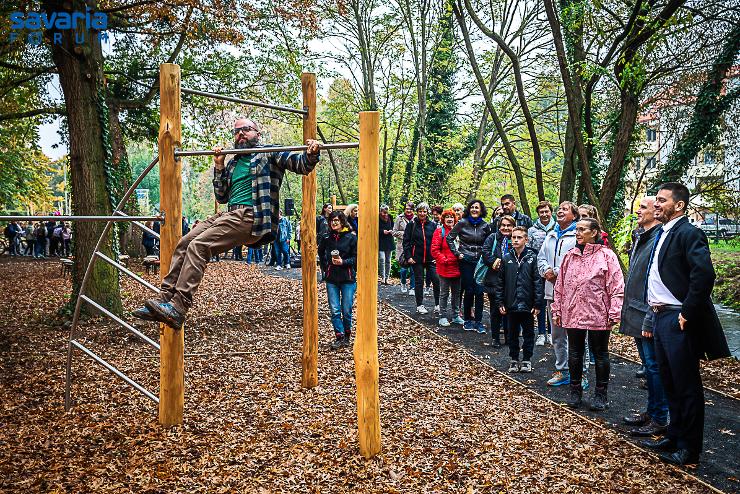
<point x="38" y="240"/>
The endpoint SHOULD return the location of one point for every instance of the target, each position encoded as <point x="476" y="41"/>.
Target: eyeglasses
<point x="336" y="220"/>
<point x="245" y="130"/>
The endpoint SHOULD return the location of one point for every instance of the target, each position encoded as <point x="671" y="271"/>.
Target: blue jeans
<point x="473" y="293"/>
<point x="282" y="253"/>
<point x="341" y="297"/>
<point x="407" y="273"/>
<point x="657" y="406"/>
<point x="543" y="323"/>
<point x="254" y="255"/>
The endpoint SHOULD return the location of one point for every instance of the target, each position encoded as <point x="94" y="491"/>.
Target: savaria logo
<point x="54" y="22"/>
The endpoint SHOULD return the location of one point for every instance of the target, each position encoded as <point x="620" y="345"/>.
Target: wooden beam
<point x="309" y="360"/>
<point x="366" y="341"/>
<point x="172" y="342"/>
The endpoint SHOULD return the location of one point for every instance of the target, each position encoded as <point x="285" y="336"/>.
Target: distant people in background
<point x="466" y="242"/>
<point x="56" y="241"/>
<point x="238" y="253"/>
<point x="537" y="233"/>
<point x="508" y="207"/>
<point x="437" y="214"/>
<point x="322" y="222"/>
<point x="557" y="243"/>
<point x="185" y="226"/>
<point x="589" y="211"/>
<point x="148" y="240"/>
<point x="30" y="239"/>
<point x="386" y="245"/>
<point x="417" y="251"/>
<point x="337" y="257"/>
<point x="587" y="302"/>
<point x="351" y="212"/>
<point x="50" y="227"/>
<point x="496" y="246"/>
<point x="282" y="242"/>
<point x="66" y="241"/>
<point x="40" y="232"/>
<point x="254" y="255"/>
<point x="297" y="236"/>
<point x="519" y="295"/>
<point x="399" y="227"/>
<point x="11" y="232"/>
<point x="448" y="270"/>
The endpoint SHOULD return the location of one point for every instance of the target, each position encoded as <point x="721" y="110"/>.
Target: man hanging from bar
<point x="250" y="185"/>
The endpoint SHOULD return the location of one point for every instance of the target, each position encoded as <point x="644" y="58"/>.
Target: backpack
<point x="481" y="270"/>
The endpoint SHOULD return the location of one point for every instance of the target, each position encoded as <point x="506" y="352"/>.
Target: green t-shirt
<point x="241" y="182"/>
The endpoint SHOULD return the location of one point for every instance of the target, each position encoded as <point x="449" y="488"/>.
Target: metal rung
<point x="138" y="387"/>
<point x="120" y="321"/>
<point x="127" y="271"/>
<point x="137" y="223"/>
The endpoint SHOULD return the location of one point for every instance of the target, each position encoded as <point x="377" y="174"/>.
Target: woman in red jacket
<point x="447" y="269"/>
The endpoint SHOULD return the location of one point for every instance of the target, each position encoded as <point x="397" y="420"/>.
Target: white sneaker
<point x="444" y="322"/>
<point x="540" y="340"/>
<point x="548" y="339"/>
<point x="404" y="289"/>
<point x="278" y="268"/>
<point x="436" y="309"/>
<point x="422" y="310"/>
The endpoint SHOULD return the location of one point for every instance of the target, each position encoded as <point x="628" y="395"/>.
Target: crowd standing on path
<point x="38" y="240"/>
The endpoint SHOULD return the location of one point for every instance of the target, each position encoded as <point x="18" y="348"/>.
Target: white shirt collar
<point x="671" y="223"/>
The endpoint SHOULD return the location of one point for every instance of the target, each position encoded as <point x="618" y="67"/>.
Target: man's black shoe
<point x="145" y="314"/>
<point x="681" y="457"/>
<point x="637" y="419"/>
<point x="640" y="374"/>
<point x="651" y="429"/>
<point x="165" y="312"/>
<point x="662" y="444"/>
<point x="338" y="343"/>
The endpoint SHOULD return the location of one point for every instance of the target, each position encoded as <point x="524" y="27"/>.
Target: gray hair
<point x="422" y="205"/>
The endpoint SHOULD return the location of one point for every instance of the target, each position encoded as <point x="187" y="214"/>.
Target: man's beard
<point x="246" y="143"/>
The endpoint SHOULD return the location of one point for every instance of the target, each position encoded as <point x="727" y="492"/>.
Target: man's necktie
<point x="652" y="256"/>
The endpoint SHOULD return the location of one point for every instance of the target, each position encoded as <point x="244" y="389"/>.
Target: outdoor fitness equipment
<point x="171" y="342"/>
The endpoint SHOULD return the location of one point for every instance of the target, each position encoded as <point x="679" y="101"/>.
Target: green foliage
<point x="621" y="234"/>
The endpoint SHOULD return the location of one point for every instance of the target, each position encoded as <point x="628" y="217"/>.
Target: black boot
<point x="347" y="337"/>
<point x="576" y="396"/>
<point x="600" y="401"/>
<point x="338" y="343"/>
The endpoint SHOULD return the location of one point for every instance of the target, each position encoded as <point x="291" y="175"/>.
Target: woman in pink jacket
<point x="588" y="301"/>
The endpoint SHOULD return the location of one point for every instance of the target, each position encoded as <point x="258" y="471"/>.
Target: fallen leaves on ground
<point x="449" y="423"/>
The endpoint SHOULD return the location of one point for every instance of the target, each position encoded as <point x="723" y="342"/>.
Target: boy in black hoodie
<point x="519" y="294"/>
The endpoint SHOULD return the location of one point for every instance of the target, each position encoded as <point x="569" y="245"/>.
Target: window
<point x="709" y="159"/>
<point x="651" y="135"/>
<point x="651" y="163"/>
<point x="637" y="162"/>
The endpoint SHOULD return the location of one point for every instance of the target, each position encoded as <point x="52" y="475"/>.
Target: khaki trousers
<point x="217" y="234"/>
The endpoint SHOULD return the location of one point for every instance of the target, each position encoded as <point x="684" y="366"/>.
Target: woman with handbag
<point x="496" y="246"/>
<point x="466" y="242"/>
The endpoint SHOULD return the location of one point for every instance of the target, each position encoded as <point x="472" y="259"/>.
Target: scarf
<point x="475" y="221"/>
<point x="545" y="228"/>
<point x="408" y="216"/>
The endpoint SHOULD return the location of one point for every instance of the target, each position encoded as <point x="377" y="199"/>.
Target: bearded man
<point x="250" y="185"/>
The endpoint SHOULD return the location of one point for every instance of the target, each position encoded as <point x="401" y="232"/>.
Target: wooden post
<point x="366" y="341"/>
<point x="309" y="375"/>
<point x="333" y="202"/>
<point x="172" y="342"/>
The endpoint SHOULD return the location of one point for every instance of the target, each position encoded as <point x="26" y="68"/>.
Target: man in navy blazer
<point x="685" y="327"/>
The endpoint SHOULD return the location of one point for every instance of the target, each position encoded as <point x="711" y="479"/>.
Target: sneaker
<point x="480" y="328"/>
<point x="469" y="326"/>
<point x="436" y="309"/>
<point x="559" y="378"/>
<point x="165" y="312"/>
<point x="540" y="340"/>
<point x="444" y="322"/>
<point x="458" y="320"/>
<point x="278" y="268"/>
<point x="338" y="343"/>
<point x="548" y="339"/>
<point x="525" y="366"/>
<point x="404" y="289"/>
<point x="422" y="310"/>
<point x="513" y="367"/>
<point x="144" y="313"/>
<point x="584" y="383"/>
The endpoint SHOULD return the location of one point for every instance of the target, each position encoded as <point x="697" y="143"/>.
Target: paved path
<point x="720" y="464"/>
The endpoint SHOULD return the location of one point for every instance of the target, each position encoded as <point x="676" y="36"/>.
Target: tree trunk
<point x="80" y="68"/>
<point x="409" y="169"/>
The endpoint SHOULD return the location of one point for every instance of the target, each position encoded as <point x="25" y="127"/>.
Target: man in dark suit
<point x="686" y="328"/>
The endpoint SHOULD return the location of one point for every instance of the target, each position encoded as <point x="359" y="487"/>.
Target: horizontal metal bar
<point x="81" y="218"/>
<point x="124" y="269"/>
<point x="138" y="387"/>
<point x="138" y="223"/>
<point x="244" y="101"/>
<point x="120" y="321"/>
<point x="266" y="149"/>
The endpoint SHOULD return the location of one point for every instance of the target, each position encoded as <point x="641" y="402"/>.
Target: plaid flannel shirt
<point x="268" y="170"/>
